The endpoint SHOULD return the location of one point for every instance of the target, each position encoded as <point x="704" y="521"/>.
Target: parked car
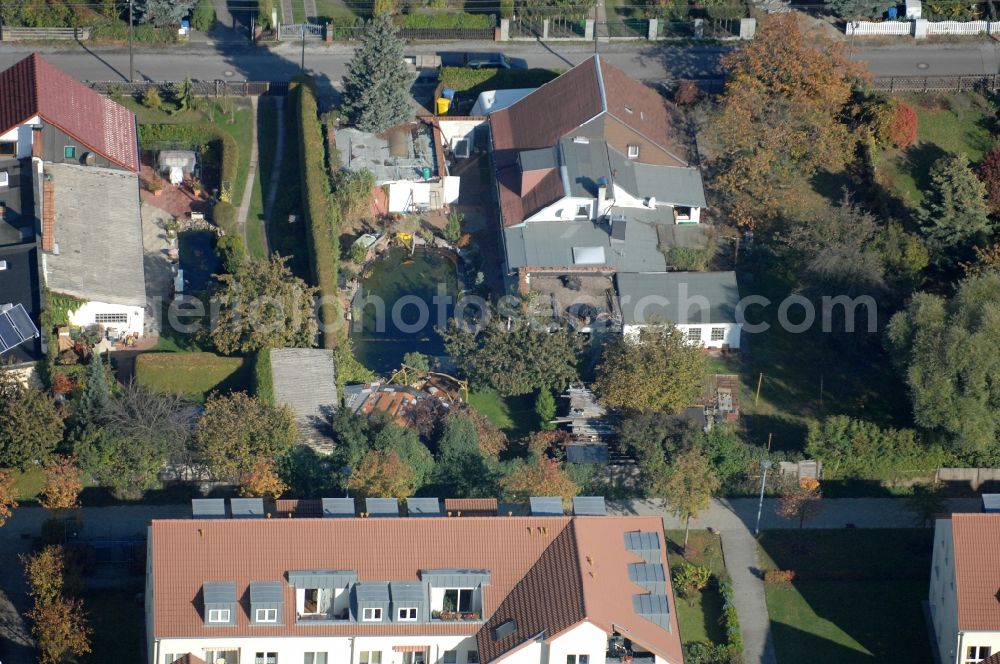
<point x="482" y="60"/>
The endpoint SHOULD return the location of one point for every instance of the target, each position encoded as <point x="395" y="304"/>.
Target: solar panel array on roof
<point x="644" y="544"/>
<point x="247" y="508"/>
<point x="650" y="576"/>
<point x="589" y="506"/>
<point x="338" y="507"/>
<point x="208" y="508"/>
<point x="654" y="608"/>
<point x="382" y="507"/>
<point x="423" y="507"/>
<point x="546" y="506"/>
<point x="16" y="327"/>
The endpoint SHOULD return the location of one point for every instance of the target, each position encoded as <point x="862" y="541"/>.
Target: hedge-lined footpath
<point x="194" y="135"/>
<point x="321" y="216"/>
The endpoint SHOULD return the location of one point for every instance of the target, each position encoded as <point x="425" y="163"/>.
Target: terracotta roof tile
<point x="548" y="573"/>
<point x="471" y="506"/>
<point x="977" y="570"/>
<point x="33" y="86"/>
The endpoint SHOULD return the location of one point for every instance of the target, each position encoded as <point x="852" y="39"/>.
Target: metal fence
<point x="218" y="88"/>
<point x="25" y="34"/>
<point x="936" y="83"/>
<point x="307" y="31"/>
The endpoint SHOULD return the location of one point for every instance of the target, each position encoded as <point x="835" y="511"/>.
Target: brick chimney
<point x="48" y="213"/>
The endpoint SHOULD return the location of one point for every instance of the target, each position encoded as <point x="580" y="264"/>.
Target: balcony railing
<point x="456" y="615"/>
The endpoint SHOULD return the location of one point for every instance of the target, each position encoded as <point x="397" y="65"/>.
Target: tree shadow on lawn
<point x="919" y="159"/>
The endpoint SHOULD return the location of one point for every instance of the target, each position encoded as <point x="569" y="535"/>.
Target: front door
<point x="413" y="658"/>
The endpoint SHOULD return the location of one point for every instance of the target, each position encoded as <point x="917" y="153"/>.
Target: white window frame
<point x="577" y="659"/>
<point x="458" y="599"/>
<point x="111" y="318"/>
<point x="409" y="611"/>
<point x="974" y="654"/>
<point x="371" y="614"/>
<point x="312" y="656"/>
<point x="693" y="334"/>
<point x="370" y="657"/>
<point x="264" y="656"/>
<point x="633" y="151"/>
<point x="220" y="651"/>
<point x="265" y="619"/>
<point x="718" y="334"/>
<point x="218" y="613"/>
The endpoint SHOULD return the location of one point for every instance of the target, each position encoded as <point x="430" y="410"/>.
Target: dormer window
<point x="219" y="615"/>
<point x="266" y="616"/>
<point x="408" y="614"/>
<point x="633" y="151"/>
<point x="266" y="602"/>
<point x="456" y="594"/>
<point x="457" y="600"/>
<point x="371" y="615"/>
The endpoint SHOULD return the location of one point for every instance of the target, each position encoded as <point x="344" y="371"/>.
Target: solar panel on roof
<point x="654" y="608"/>
<point x="208" y="508"/>
<point x="338" y="507"/>
<point x="546" y="506"/>
<point x="423" y="507"/>
<point x="382" y="507"/>
<point x="589" y="506"/>
<point x="16" y="327"/>
<point x="247" y="508"/>
<point x="650" y="576"/>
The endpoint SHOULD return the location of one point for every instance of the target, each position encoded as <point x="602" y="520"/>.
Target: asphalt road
<point x="649" y="62"/>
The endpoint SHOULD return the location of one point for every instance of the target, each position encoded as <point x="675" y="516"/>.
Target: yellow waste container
<point x="443" y="104"/>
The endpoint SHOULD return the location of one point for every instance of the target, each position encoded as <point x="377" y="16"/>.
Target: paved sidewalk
<point x="279" y="157"/>
<point x="735" y="520"/>
<point x="241" y="216"/>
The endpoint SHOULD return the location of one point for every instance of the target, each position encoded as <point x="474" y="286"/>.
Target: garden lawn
<point x="195" y="375"/>
<point x="515" y="415"/>
<point x="28" y="483"/>
<point x="947" y="124"/>
<point x="822" y="619"/>
<point x="699" y="618"/>
<point x="116" y="616"/>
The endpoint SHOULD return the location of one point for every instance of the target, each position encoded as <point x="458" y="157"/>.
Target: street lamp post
<point x="131" y="67"/>
<point x="765" y="464"/>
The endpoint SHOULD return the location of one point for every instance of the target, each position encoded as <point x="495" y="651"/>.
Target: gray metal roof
<point x="266" y="592"/>
<point x="219" y="592"/>
<point x="552" y="243"/>
<point x="654" y="608"/>
<point x="587" y="453"/>
<point x="660" y="297"/>
<point x="991" y="502"/>
<point x="650" y="576"/>
<point x="504" y="629"/>
<point x="670" y="185"/>
<point x="322" y="578"/>
<point x="546" y="506"/>
<point x="208" y="508"/>
<point x="338" y="507"/>
<point x="372" y="592"/>
<point x="586" y="164"/>
<point x="246" y="508"/>
<point x="589" y="506"/>
<point x="453" y="577"/>
<point x="423" y="507"/>
<point x="305" y="380"/>
<point x="406" y="591"/>
<point x="389" y="159"/>
<point x="537" y="160"/>
<point x="99" y="233"/>
<point x="382" y="506"/>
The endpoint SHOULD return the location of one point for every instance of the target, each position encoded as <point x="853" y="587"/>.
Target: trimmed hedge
<point x="224" y="216"/>
<point x="730" y="619"/>
<point x="197" y="135"/>
<point x="473" y="81"/>
<point x="446" y="21"/>
<point x="203" y="16"/>
<point x="263" y="383"/>
<point x="321" y="216"/>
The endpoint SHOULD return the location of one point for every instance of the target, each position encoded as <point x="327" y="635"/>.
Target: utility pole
<point x="303" y="28"/>
<point x="131" y="64"/>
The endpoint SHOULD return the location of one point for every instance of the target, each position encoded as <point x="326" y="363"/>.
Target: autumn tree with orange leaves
<point x="8" y="496"/>
<point x="780" y="116"/>
<point x="262" y="480"/>
<point x="63" y="484"/>
<point x="383" y="473"/>
<point x="800" y="499"/>
<point x="541" y="477"/>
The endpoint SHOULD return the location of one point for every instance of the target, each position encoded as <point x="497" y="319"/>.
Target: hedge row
<point x="196" y="135"/>
<point x="203" y="16"/>
<point x="474" y="81"/>
<point x="447" y="20"/>
<point x="263" y="383"/>
<point x="321" y="217"/>
<point x="730" y="619"/>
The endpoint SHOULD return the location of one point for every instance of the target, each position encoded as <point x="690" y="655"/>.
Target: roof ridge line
<point x="600" y="83"/>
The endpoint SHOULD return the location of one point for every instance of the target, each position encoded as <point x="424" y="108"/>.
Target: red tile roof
<point x="35" y="87"/>
<point x="548" y="572"/>
<point x="976" y="540"/>
<point x="592" y="91"/>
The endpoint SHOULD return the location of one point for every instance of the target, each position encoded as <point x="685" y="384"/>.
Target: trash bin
<point x="891" y="13"/>
<point x="448" y="93"/>
<point x="442" y="106"/>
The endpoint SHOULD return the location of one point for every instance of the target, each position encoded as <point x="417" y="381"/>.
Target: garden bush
<point x="263" y="384"/>
<point x="776" y="576"/>
<point x="203" y="16"/>
<point x="989" y="174"/>
<point x="224" y="216"/>
<point x="730" y="619"/>
<point x="474" y="81"/>
<point x="902" y="129"/>
<point x="686" y="93"/>
<point x="232" y="249"/>
<point x="208" y="139"/>
<point x="446" y="21"/>
<point x="321" y="215"/>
